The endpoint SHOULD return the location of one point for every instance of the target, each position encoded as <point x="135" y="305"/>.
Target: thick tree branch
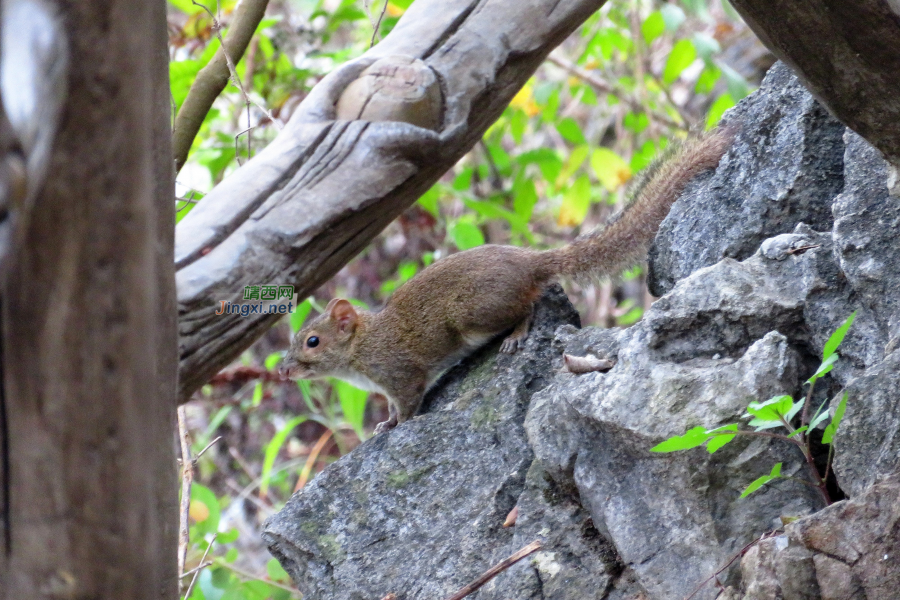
<point x="334" y="177"/>
<point x="213" y="78"/>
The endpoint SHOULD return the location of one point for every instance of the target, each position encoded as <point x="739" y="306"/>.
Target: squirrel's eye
<point x="312" y="341"/>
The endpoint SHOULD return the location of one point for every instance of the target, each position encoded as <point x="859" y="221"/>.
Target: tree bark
<point x="88" y="335"/>
<point x="846" y="53"/>
<point x="306" y="204"/>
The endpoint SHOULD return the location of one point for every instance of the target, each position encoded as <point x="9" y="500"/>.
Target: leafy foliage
<point x="779" y="411"/>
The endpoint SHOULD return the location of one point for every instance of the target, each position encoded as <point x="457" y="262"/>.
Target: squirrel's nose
<point x="285" y="366"/>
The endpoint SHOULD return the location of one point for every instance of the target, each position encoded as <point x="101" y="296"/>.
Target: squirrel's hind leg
<point x="517" y="338"/>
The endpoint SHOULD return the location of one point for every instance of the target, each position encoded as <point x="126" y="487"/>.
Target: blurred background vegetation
<point x="636" y="75"/>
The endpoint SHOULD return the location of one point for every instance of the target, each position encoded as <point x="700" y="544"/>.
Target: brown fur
<point x="462" y="301"/>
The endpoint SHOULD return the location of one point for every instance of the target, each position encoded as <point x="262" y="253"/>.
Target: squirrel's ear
<point x="331" y="303"/>
<point x="342" y="313"/>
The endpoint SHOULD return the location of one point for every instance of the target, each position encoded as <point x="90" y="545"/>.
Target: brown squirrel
<point x="462" y="301"/>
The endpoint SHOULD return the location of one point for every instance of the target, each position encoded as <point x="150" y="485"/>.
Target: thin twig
<point x="739" y="554"/>
<point x="496" y="570"/>
<point x="208" y="446"/>
<point x="804" y="419"/>
<point x="828" y="462"/>
<point x="187" y="477"/>
<point x="196" y="570"/>
<point x="213" y="78"/>
<point x="193" y="571"/>
<point x="243" y="374"/>
<point x="217" y="28"/>
<point x="249" y="575"/>
<point x="668" y="94"/>
<point x="376" y="25"/>
<point x="608" y="88"/>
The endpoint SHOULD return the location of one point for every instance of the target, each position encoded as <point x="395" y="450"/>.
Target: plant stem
<point x="804" y="420"/>
<point x="776" y="436"/>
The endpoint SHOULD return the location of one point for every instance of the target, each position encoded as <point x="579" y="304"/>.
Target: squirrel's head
<point x="322" y="347"/>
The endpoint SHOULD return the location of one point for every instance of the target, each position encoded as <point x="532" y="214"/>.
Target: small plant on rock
<point x="779" y="412"/>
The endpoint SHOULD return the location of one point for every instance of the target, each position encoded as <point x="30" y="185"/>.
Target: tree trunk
<point x="88" y="330"/>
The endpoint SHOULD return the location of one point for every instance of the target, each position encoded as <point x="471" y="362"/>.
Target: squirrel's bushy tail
<point x="624" y="242"/>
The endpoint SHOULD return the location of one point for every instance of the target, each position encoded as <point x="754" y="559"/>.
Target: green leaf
<point x="831" y="430"/>
<point x="429" y="200"/>
<point x="824" y="368"/>
<point x="707" y="80"/>
<point x="547" y="160"/>
<point x="673" y="16"/>
<point x="642" y="157"/>
<point x="463" y="181"/>
<point x="761" y="424"/>
<point x="837" y="337"/>
<point x="706" y="46"/>
<point x="207" y="587"/>
<point x="576" y="158"/>
<point x="761" y="481"/>
<point x="611" y="170"/>
<point x="272" y="360"/>
<point x="798" y="431"/>
<point x="227" y="537"/>
<point x="201" y="442"/>
<point x="691" y="439"/>
<point x="794" y="410"/>
<point x="524" y="197"/>
<point x="636" y="122"/>
<point x="718" y="108"/>
<point x="298" y="317"/>
<point x="181" y="75"/>
<point x="205" y="496"/>
<point x="820" y="416"/>
<point x="738" y="88"/>
<point x="257" y="393"/>
<point x="576" y="201"/>
<point x="353" y="405"/>
<point x="771" y="410"/>
<point x="680" y="58"/>
<point x="189" y="8"/>
<point x="518" y="121"/>
<point x="720" y="438"/>
<point x="493" y="210"/>
<point x="570" y="131"/>
<point x="653" y="27"/>
<point x="466" y="235"/>
<point x="276" y="572"/>
<point x="272" y="450"/>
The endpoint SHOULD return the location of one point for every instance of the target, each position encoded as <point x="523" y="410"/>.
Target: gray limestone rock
<point x="848" y="551"/>
<point x="418" y="511"/>
<point x="784" y="168"/>
<point x="757" y="275"/>
<point x="867" y="232"/>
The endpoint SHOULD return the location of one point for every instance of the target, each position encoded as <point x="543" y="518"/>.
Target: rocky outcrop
<point x="760" y="261"/>
<point x="847" y="551"/>
<point x="785" y="168"/>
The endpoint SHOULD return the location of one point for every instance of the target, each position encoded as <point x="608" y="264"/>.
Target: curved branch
<point x="304" y="206"/>
<point x="213" y="78"/>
